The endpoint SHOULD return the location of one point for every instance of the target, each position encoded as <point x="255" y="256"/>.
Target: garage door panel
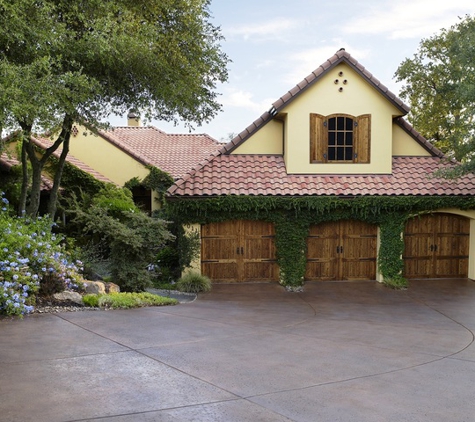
<point x="218" y="248"/>
<point x="223" y="271"/>
<point x="260" y="271"/>
<point x="341" y="250"/>
<point x="239" y="250"/>
<point x="321" y="270"/>
<point x="436" y="246"/>
<point x="446" y="267"/>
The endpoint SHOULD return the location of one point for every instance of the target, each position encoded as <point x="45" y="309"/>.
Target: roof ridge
<point x="340" y="56"/>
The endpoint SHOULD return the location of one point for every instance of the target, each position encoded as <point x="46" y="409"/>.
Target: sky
<point x="275" y="44"/>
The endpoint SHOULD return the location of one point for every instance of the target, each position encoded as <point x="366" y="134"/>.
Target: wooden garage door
<point x="235" y="251"/>
<point x="342" y="250"/>
<point x="436" y="246"/>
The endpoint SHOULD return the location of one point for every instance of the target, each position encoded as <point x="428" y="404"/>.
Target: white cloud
<point x="272" y="29"/>
<point x="409" y="18"/>
<point x="243" y="99"/>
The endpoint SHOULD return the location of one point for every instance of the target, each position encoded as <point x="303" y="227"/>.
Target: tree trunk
<point x="25" y="181"/>
<point x="53" y="198"/>
<point x="38" y="165"/>
<point x="35" y="193"/>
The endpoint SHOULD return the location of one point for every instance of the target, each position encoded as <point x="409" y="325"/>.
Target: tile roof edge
<point x="423" y="142"/>
<point x="182" y="179"/>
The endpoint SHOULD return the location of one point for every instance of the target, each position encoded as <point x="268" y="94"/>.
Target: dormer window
<point x="340" y="138"/>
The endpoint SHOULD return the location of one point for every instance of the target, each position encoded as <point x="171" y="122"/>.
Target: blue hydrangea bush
<point x="30" y="253"/>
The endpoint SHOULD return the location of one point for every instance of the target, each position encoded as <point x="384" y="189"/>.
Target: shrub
<point x="193" y="282"/>
<point x="91" y="300"/>
<point x="133" y="238"/>
<point x="397" y="282"/>
<point x="30" y="254"/>
<point x="127" y="300"/>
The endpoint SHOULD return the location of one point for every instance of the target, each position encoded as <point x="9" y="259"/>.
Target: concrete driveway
<point x="341" y="351"/>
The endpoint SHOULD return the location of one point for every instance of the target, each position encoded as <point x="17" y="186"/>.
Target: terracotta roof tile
<point x="174" y="153"/>
<point x="266" y="175"/>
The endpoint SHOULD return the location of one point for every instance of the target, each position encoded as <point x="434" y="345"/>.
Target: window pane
<point x="332" y="123"/>
<point x="331" y="138"/>
<point x="349" y="154"/>
<point x="349" y="138"/>
<point x="340" y="138"/>
<point x="349" y="124"/>
<point x="331" y="154"/>
<point x="340" y="153"/>
<point x="341" y="123"/>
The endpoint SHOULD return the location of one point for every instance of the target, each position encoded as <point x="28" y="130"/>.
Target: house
<point x="126" y="152"/>
<point x="330" y="184"/>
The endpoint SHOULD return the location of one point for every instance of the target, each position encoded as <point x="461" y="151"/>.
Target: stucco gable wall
<point x="356" y="98"/>
<point x="406" y="145"/>
<point x="267" y="140"/>
<point x="105" y="158"/>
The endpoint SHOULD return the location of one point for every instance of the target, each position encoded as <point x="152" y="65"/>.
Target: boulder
<point x="95" y="287"/>
<point x="112" y="288"/>
<point x="71" y="296"/>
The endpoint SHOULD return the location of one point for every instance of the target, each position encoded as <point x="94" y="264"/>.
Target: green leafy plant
<point x="91" y="300"/>
<point x="193" y="282"/>
<point x="132" y="238"/>
<point x="397" y="282"/>
<point x="127" y="300"/>
<point x="32" y="258"/>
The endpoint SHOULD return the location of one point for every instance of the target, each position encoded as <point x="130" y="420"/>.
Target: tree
<point x="439" y="83"/>
<point x="65" y="61"/>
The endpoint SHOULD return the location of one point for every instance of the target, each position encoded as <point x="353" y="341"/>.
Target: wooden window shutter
<point x="363" y="138"/>
<point x="318" y="141"/>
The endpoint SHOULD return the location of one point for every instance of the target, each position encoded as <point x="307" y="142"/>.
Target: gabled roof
<point x="266" y="175"/>
<point x="341" y="56"/>
<point x="226" y="174"/>
<point x="174" y="154"/>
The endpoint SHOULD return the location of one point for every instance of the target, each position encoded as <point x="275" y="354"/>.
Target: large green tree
<point x="64" y="61"/>
<point x="439" y="83"/>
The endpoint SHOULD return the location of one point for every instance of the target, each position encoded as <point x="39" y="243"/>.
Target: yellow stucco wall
<point x="105" y="158"/>
<point x="357" y="97"/>
<point x="268" y="140"/>
<point x="404" y="144"/>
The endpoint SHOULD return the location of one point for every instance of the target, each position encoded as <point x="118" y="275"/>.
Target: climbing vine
<point x="157" y="181"/>
<point x="293" y="216"/>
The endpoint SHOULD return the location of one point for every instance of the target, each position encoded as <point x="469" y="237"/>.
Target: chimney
<point x="133" y="119"/>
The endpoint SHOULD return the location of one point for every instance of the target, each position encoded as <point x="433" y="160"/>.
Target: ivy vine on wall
<point x="292" y="217"/>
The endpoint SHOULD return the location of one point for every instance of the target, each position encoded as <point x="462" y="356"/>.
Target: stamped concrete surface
<point x="339" y="351"/>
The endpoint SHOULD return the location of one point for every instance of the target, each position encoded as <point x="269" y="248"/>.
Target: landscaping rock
<point x="71" y="296"/>
<point x="95" y="287"/>
<point x="112" y="288"/>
